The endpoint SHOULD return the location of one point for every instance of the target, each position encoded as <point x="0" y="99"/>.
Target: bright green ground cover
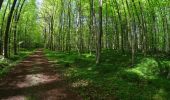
<point x="7" y="64"/>
<point x="115" y="77"/>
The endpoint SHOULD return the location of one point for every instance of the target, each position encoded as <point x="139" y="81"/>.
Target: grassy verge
<point x="114" y="78"/>
<point x="7" y="64"/>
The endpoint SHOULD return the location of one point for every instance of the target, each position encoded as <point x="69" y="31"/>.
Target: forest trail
<point x="35" y="79"/>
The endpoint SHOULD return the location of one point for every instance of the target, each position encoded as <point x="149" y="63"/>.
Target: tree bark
<point x="99" y="36"/>
<point x="7" y="29"/>
<point x="1" y="34"/>
<point x="1" y="3"/>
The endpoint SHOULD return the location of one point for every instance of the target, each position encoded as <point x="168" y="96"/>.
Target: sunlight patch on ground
<point x="160" y="94"/>
<point x="27" y="61"/>
<point x="55" y="61"/>
<point x="36" y="79"/>
<point x="80" y="83"/>
<point x="69" y="72"/>
<point x="39" y="62"/>
<point x="16" y="98"/>
<point x="36" y="55"/>
<point x="90" y="68"/>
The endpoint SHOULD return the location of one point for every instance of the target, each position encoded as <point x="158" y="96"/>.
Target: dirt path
<point x="35" y="79"/>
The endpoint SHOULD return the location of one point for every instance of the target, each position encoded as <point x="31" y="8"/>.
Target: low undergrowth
<point x="6" y="64"/>
<point x="115" y="78"/>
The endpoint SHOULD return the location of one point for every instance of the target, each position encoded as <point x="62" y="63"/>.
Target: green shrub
<point x="131" y="76"/>
<point x="164" y="68"/>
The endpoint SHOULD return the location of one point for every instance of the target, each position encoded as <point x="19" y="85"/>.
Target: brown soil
<point x="35" y="79"/>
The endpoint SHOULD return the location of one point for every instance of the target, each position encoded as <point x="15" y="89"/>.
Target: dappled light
<point x="160" y="94"/>
<point x="116" y="79"/>
<point x="34" y="78"/>
<point x="80" y="83"/>
<point x="17" y="98"/>
<point x="148" y="68"/>
<point x="84" y="49"/>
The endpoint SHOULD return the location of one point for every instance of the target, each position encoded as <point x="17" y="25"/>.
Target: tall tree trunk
<point x="120" y="28"/>
<point x="7" y="29"/>
<point x="80" y="28"/>
<point x="99" y="36"/>
<point x="68" y="44"/>
<point x="91" y="35"/>
<point x="15" y="28"/>
<point x="106" y="27"/>
<point x="2" y="31"/>
<point x="1" y="3"/>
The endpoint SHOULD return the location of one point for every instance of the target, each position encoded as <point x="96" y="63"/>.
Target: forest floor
<point x="54" y="75"/>
<point x="114" y="78"/>
<point x="35" y="79"/>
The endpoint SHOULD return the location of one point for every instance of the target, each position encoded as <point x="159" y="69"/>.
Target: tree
<point x="1" y="3"/>
<point x="7" y="29"/>
<point x="16" y="19"/>
<point x="99" y="36"/>
<point x="131" y="26"/>
<point x="2" y="25"/>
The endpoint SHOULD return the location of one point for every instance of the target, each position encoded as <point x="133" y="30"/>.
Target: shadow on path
<point x="35" y="79"/>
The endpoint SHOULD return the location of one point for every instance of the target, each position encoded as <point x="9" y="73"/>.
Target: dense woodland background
<point x="129" y="26"/>
<point x="106" y="30"/>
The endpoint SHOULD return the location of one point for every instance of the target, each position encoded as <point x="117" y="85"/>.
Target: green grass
<point x="115" y="77"/>
<point x="7" y="64"/>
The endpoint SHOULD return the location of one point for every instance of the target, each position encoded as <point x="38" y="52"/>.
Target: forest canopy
<point x="85" y="25"/>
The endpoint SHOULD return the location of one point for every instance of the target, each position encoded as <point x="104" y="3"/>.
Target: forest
<point x="84" y="49"/>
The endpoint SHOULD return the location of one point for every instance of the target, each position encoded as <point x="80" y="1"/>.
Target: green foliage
<point x="72" y="25"/>
<point x="164" y="68"/>
<point x="7" y="64"/>
<point x="148" y="68"/>
<point x="114" y="78"/>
